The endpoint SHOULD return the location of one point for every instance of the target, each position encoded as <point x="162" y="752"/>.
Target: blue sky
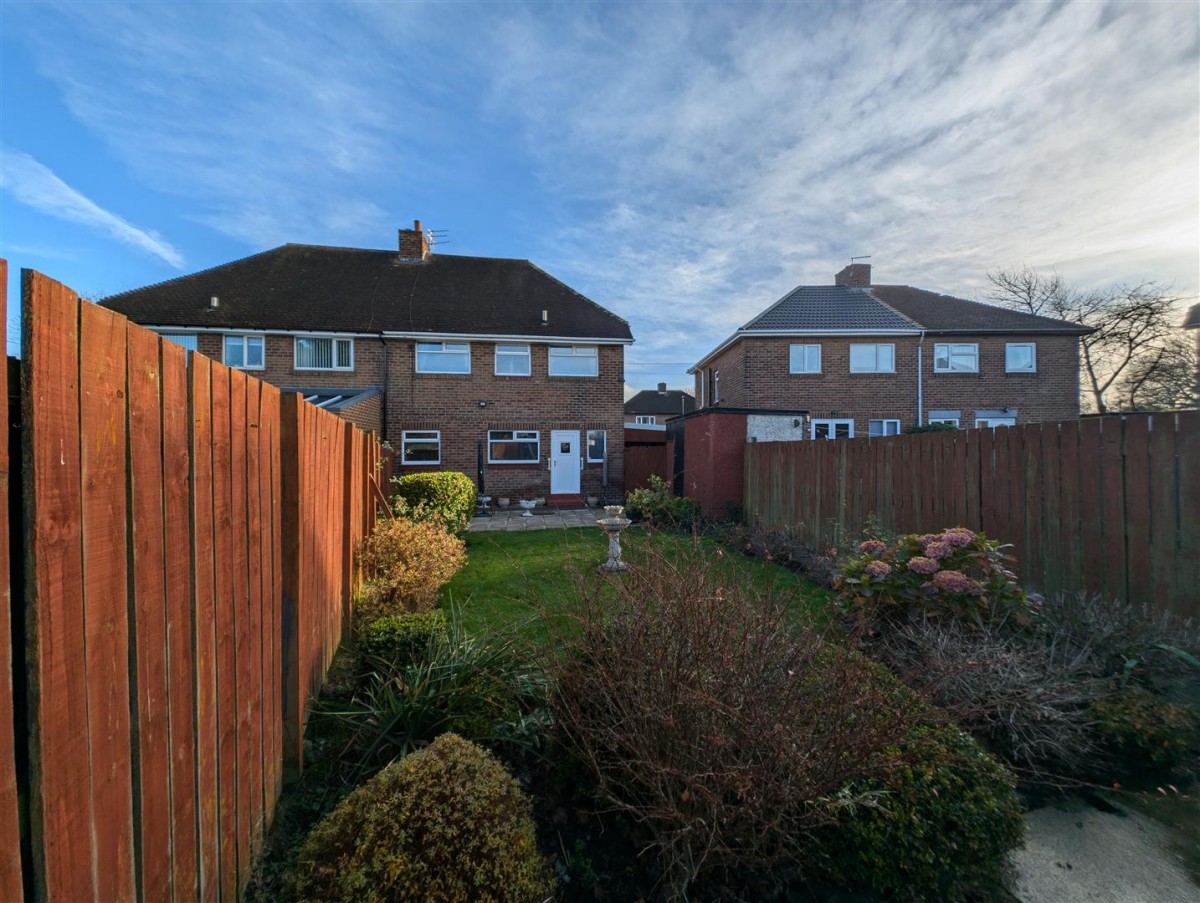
<point x="682" y="164"/>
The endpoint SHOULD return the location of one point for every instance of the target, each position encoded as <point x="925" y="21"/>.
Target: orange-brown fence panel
<point x="1107" y="505"/>
<point x="187" y="535"/>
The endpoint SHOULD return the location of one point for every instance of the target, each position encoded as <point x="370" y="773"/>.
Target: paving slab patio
<point x="512" y="521"/>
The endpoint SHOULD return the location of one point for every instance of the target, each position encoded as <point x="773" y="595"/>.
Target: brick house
<point x="485" y="365"/>
<point x="652" y="407"/>
<point x="865" y="359"/>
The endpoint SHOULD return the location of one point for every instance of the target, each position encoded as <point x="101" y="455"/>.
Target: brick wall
<point x="366" y="415"/>
<point x="714" y="447"/>
<point x="281" y="360"/>
<point x="759" y="378"/>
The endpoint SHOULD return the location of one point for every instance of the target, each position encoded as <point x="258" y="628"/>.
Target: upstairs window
<point x="805" y="359"/>
<point x="956" y="358"/>
<point x="314" y="353"/>
<point x="513" y="446"/>
<point x="443" y="357"/>
<point x="245" y="352"/>
<point x="647" y="419"/>
<point x="883" y="427"/>
<point x="873" y="358"/>
<point x="597" y="443"/>
<point x="421" y="447"/>
<point x="1020" y="357"/>
<point x="512" y="360"/>
<point x="186" y="339"/>
<point x="574" y="360"/>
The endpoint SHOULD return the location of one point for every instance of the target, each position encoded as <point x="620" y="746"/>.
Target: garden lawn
<point x="522" y="581"/>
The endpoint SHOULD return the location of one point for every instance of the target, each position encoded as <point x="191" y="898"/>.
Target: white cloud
<point x="36" y="186"/>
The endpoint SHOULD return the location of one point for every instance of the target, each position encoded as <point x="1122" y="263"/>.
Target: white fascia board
<point x="234" y="330"/>
<point x="492" y="337"/>
<point x="797" y="334"/>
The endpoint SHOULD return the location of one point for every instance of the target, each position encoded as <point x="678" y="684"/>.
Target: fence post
<point x="292" y="680"/>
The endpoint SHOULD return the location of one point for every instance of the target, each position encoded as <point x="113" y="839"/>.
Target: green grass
<point x="522" y="581"/>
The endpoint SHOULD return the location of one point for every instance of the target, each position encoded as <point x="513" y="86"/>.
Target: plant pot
<point x="592" y="501"/>
<point x="541" y="503"/>
<point x="503" y="502"/>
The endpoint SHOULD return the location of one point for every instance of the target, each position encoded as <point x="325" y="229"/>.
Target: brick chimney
<point x="662" y="388"/>
<point x="856" y="275"/>
<point x="414" y="243"/>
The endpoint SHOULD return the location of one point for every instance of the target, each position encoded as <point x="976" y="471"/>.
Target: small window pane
<point x="956" y="358"/>
<point x="578" y="360"/>
<point x="421" y="447"/>
<point x="512" y="360"/>
<point x="233" y="351"/>
<point x="345" y="349"/>
<point x="883" y="427"/>
<point x="1020" y="358"/>
<point x="596" y="445"/>
<point x="805" y="359"/>
<point x="254" y="351"/>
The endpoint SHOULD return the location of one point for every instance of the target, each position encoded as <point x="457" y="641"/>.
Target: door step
<point x="566" y="500"/>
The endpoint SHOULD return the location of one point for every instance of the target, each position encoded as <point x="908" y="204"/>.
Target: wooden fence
<point x="186" y="535"/>
<point x="1109" y="505"/>
<point x="645" y="461"/>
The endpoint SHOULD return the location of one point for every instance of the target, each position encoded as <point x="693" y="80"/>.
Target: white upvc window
<point x="647" y="419"/>
<point x="873" y="358"/>
<point x="512" y="360"/>
<point x="944" y="421"/>
<point x="574" y="360"/>
<point x="831" y="428"/>
<point x="597" y="446"/>
<point x="804" y="359"/>
<point x="995" y="421"/>
<point x="961" y="358"/>
<point x="1020" y="357"/>
<point x="323" y="353"/>
<point x="186" y="339"/>
<point x="443" y="357"/>
<point x="883" y="427"/>
<point x="514" y="446"/>
<point x="245" y="352"/>
<point x="421" y="447"/>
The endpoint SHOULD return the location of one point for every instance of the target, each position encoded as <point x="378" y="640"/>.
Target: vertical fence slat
<point x="1070" y="532"/>
<point x="149" y="614"/>
<point x="1137" y="503"/>
<point x="1164" y="526"/>
<point x="253" y="701"/>
<point x="10" y="828"/>
<point x="242" y="689"/>
<point x="1112" y="488"/>
<point x="1187" y="560"/>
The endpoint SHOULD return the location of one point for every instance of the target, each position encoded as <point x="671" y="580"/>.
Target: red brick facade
<point x="754" y="373"/>
<point x="463" y="408"/>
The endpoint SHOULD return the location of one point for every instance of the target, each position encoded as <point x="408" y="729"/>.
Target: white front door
<point x="564" y="462"/>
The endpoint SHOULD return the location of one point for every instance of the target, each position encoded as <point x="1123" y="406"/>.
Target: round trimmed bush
<point x="947" y="816"/>
<point x="408" y="562"/>
<point x="446" y="823"/>
<point x="400" y="639"/>
<point x="448" y="494"/>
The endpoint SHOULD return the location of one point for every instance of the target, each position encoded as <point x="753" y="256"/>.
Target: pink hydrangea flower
<point x="955" y="582"/>
<point x="958" y="537"/>
<point x="923" y="565"/>
<point x="874" y="546"/>
<point x="877" y="569"/>
<point x="939" y="550"/>
<point x="926" y="538"/>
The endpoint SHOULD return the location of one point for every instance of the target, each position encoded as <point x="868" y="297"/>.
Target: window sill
<point x="527" y="464"/>
<point x="324" y="369"/>
<point x="441" y="373"/>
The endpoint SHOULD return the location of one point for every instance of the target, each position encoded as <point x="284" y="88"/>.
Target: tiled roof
<point x="650" y="401"/>
<point x="829" y="308"/>
<point x="939" y="313"/>
<point x="311" y="287"/>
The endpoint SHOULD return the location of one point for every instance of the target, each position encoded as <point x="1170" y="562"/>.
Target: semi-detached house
<point x="484" y="365"/>
<point x="875" y="360"/>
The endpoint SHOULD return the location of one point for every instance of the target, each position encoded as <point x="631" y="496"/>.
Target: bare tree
<point x="1127" y="322"/>
<point x="1162" y="380"/>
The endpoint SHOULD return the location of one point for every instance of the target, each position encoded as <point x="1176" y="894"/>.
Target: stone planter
<point x="503" y="502"/>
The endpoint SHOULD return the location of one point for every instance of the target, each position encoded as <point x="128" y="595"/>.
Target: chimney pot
<point x="662" y="388"/>
<point x="856" y="275"/>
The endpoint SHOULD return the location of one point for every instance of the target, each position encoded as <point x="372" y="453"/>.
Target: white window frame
<point x="806" y="354"/>
<point x="534" y="436"/>
<point x="953" y="421"/>
<point x="716" y="387"/>
<point x="885" y="421"/>
<point x="646" y="419"/>
<point x="588" y="443"/>
<point x="994" y="422"/>
<point x="831" y="421"/>
<point x="243" y="337"/>
<point x="875" y="369"/>
<point x="188" y="340"/>
<point x="511" y="354"/>
<point x="443" y="349"/>
<point x="1032" y="346"/>
<point x="420" y="436"/>
<point x="333" y="351"/>
<point x="573" y="352"/>
<point x="952" y="348"/>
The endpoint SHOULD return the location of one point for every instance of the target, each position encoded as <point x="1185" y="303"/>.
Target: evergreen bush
<point x="447" y="494"/>
<point x="407" y="562"/>
<point x="400" y="639"/>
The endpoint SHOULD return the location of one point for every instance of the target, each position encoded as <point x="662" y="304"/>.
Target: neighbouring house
<point x="875" y="360"/>
<point x="1193" y="322"/>
<point x="653" y="407"/>
<point x="485" y="365"/>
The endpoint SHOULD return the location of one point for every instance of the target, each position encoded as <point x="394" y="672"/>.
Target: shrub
<point x="955" y="573"/>
<point x="709" y="720"/>
<point x="448" y="494"/>
<point x="945" y="819"/>
<point x="932" y="428"/>
<point x="658" y="507"/>
<point x="443" y="824"/>
<point x="407" y="563"/>
<point x="400" y="639"/>
<point x="487" y="690"/>
<point x="1145" y="733"/>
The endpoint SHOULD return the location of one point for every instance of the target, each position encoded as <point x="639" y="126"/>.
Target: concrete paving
<point x="511" y="520"/>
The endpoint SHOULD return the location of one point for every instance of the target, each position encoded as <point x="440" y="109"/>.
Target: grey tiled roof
<point x="671" y="402"/>
<point x="829" y="308"/>
<point x="311" y="287"/>
<point x="944" y="313"/>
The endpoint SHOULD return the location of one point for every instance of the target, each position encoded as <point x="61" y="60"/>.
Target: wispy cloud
<point x="38" y="187"/>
